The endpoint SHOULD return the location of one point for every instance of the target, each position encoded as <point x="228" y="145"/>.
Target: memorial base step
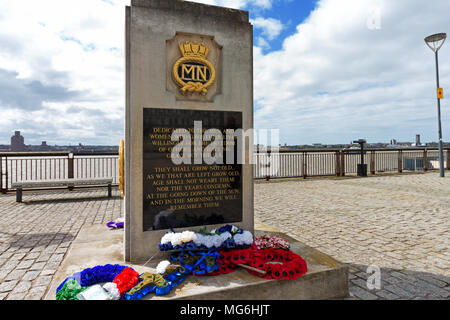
<point x="326" y="278"/>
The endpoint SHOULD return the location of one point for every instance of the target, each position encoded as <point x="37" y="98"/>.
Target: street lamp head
<point x="435" y="41"/>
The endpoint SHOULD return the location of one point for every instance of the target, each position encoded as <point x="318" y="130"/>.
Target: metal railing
<point x="338" y="162"/>
<point x="24" y="166"/>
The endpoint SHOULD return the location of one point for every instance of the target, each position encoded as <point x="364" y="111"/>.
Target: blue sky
<point x="325" y="71"/>
<point x="290" y="12"/>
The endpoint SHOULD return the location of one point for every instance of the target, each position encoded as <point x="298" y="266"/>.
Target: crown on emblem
<point x="189" y="49"/>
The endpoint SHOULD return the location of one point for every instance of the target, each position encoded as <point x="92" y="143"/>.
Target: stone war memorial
<point x="189" y="67"/>
<point x="187" y="175"/>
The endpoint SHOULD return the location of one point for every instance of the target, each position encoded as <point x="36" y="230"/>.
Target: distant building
<point x="418" y="143"/>
<point x="44" y="146"/>
<point x="18" y="142"/>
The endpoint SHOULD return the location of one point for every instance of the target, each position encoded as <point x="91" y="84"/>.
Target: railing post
<point x="372" y="162"/>
<point x="400" y="161"/>
<point x="268" y="165"/>
<point x="304" y="167"/>
<point x="448" y="159"/>
<point x="1" y="175"/>
<point x="425" y="167"/>
<point x="5" y="188"/>
<point x="342" y="163"/>
<point x="70" y="166"/>
<point x="338" y="164"/>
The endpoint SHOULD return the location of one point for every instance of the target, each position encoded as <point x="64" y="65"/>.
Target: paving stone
<point x="42" y="281"/>
<point x="4" y="274"/>
<point x="30" y="275"/>
<point x="25" y="264"/>
<point x="391" y="280"/>
<point x="433" y="289"/>
<point x="16" y="296"/>
<point x="52" y="265"/>
<point x="56" y="258"/>
<point x="22" y="286"/>
<point x="362" y="294"/>
<point x="10" y="265"/>
<point x="36" y="293"/>
<point x="432" y="280"/>
<point x="360" y="282"/>
<point x="6" y="255"/>
<point x="44" y="257"/>
<point x="387" y="295"/>
<point x="32" y="255"/>
<point x="18" y="256"/>
<point x="7" y="286"/>
<point x="15" y="275"/>
<point x="395" y="289"/>
<point x="48" y="272"/>
<point x="37" y="266"/>
<point x="403" y="276"/>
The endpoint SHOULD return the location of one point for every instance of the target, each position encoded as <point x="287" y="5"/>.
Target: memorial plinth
<point x="186" y="64"/>
<point x="326" y="278"/>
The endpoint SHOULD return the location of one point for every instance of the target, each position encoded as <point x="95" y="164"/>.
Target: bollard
<point x="425" y="166"/>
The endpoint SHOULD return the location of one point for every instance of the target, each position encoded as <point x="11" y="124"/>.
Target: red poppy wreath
<point x="276" y="263"/>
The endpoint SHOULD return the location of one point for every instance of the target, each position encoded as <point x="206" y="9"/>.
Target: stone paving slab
<point x="398" y="223"/>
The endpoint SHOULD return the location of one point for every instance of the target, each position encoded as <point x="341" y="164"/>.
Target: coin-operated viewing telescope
<point x="362" y="167"/>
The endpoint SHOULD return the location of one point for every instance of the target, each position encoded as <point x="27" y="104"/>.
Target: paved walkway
<point x="399" y="224"/>
<point x="35" y="235"/>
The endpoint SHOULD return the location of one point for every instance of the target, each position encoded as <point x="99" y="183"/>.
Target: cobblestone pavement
<point x="399" y="224"/>
<point x="35" y="235"/>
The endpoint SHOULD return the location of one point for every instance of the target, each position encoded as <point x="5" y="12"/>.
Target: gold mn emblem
<point x="192" y="72"/>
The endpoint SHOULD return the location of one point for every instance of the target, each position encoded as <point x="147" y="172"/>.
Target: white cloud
<point x="64" y="46"/>
<point x="271" y="28"/>
<point x="238" y="4"/>
<point x="352" y="69"/>
<point x="348" y="74"/>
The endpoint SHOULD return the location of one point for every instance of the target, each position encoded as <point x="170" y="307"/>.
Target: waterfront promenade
<point x="398" y="223"/>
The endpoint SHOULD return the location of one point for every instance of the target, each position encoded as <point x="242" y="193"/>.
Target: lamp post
<point x="435" y="42"/>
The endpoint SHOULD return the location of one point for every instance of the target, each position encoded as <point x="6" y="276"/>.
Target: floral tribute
<point x="269" y="241"/>
<point x="274" y="263"/>
<point x="229" y="237"/>
<point x="118" y="280"/>
<point x="198" y="253"/>
<point x="117" y="224"/>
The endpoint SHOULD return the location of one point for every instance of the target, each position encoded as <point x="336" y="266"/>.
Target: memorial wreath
<point x="198" y="253"/>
